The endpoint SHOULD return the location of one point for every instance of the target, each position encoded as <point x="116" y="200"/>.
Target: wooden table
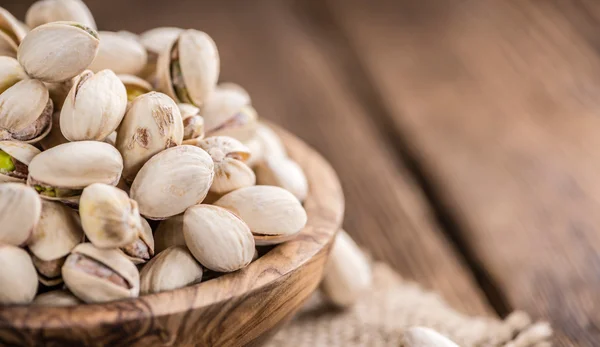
<point x="466" y="133"/>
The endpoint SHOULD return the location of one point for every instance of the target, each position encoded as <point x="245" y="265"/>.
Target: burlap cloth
<point x="393" y="305"/>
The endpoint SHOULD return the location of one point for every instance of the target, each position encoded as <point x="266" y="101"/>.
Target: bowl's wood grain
<point x="236" y="309"/>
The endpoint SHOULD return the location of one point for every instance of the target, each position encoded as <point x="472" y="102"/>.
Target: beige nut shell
<point x="20" y="151"/>
<point x="285" y="173"/>
<point x="18" y="277"/>
<point x="120" y="53"/>
<point x="173" y="268"/>
<point x="11" y="72"/>
<point x="20" y="210"/>
<point x="47" y="11"/>
<point x="57" y="233"/>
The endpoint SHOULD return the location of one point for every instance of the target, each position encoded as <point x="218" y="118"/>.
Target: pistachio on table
<point x="120" y="53"/>
<point x="18" y="279"/>
<point x="56" y="298"/>
<point x="47" y="11"/>
<point x="20" y="210"/>
<point x="173" y="268"/>
<point x="14" y="160"/>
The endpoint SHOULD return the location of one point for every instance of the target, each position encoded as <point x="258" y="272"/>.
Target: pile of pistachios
<point x="126" y="168"/>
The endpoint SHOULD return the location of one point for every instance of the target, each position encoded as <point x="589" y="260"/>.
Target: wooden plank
<point x="499" y="102"/>
<point x="265" y="48"/>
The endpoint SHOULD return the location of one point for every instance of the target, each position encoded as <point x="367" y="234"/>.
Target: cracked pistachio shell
<point x="169" y="233"/>
<point x="285" y="173"/>
<point x="273" y="214"/>
<point x="25" y="121"/>
<point x="135" y="86"/>
<point x="62" y="172"/>
<point x="348" y="273"/>
<point x="20" y="210"/>
<point x="18" y="278"/>
<point x="110" y="219"/>
<point x="11" y="72"/>
<point x="99" y="275"/>
<point x="120" y="53"/>
<point x="58" y="51"/>
<point x="152" y="124"/>
<point x="193" y="122"/>
<point x="55" y="136"/>
<point x="188" y="70"/>
<point x="426" y="337"/>
<point x="57" y="233"/>
<point x="56" y="298"/>
<point x="229" y="156"/>
<point x="94" y="107"/>
<point x="142" y="249"/>
<point x="172" y="181"/>
<point x="11" y="34"/>
<point x="47" y="11"/>
<point x="20" y="155"/>
<point x="172" y="268"/>
<point x="217" y="238"/>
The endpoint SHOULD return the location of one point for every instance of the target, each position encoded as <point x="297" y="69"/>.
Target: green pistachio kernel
<point x="46" y="191"/>
<point x="6" y="162"/>
<point x="134" y="93"/>
<point x="179" y="84"/>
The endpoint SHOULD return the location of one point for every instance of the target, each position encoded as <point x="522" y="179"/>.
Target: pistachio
<point x="152" y="123"/>
<point x="273" y="214"/>
<point x="193" y="123"/>
<point x="111" y="139"/>
<point x="11" y="34"/>
<point x="20" y="210"/>
<point x="58" y="51"/>
<point x="217" y="238"/>
<point x="169" y="233"/>
<point x="14" y="160"/>
<point x="94" y="107"/>
<point x="156" y="41"/>
<point x="25" y="121"/>
<point x="229" y="155"/>
<point x="285" y="173"/>
<point x="49" y="271"/>
<point x="230" y="87"/>
<point x="120" y="53"/>
<point x="56" y="298"/>
<point x="265" y="144"/>
<point x="172" y="268"/>
<point x="109" y="218"/>
<point x="47" y="11"/>
<point x="348" y="273"/>
<point x="11" y="72"/>
<point x="55" y="136"/>
<point x="172" y="181"/>
<point x="18" y="279"/>
<point x="62" y="172"/>
<point x="426" y="337"/>
<point x="99" y="275"/>
<point x="189" y="69"/>
<point x="142" y="249"/>
<point x="135" y="86"/>
<point x="228" y="113"/>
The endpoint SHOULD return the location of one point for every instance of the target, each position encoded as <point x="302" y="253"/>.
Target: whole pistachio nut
<point x="152" y="124"/>
<point x="135" y="86"/>
<point x="348" y="273"/>
<point x="14" y="160"/>
<point x="142" y="249"/>
<point x="55" y="136"/>
<point x="230" y="87"/>
<point x="273" y="214"/>
<point x="285" y="173"/>
<point x="265" y="144"/>
<point x="110" y="219"/>
<point x="94" y="107"/>
<point x="62" y="172"/>
<point x="172" y="181"/>
<point x="188" y="70"/>
<point x="156" y="41"/>
<point x="49" y="271"/>
<point x="169" y="233"/>
<point x="11" y="34"/>
<point x="227" y="111"/>
<point x="217" y="238"/>
<point x="11" y="72"/>
<point x="99" y="275"/>
<point x="229" y="156"/>
<point x="18" y="279"/>
<point x="28" y="121"/>
<point x="425" y="337"/>
<point x="47" y="11"/>
<point x="56" y="298"/>
<point x="58" y="51"/>
<point x="193" y="123"/>
<point x="173" y="268"/>
<point x="120" y="53"/>
<point x="20" y="210"/>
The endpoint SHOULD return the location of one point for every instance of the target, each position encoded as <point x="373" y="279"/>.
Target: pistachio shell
<point x="348" y="273"/>
<point x="20" y="155"/>
<point x="284" y="173"/>
<point x="18" y="278"/>
<point x="426" y="337"/>
<point x="25" y="121"/>
<point x="239" y="123"/>
<point x="57" y="233"/>
<point x="56" y="298"/>
<point x="159" y="39"/>
<point x="193" y="123"/>
<point x="230" y="87"/>
<point x="8" y="47"/>
<point x="11" y="26"/>
<point x="109" y="218"/>
<point x="99" y="275"/>
<point x="173" y="268"/>
<point x="270" y="142"/>
<point x="58" y="51"/>
<point x="172" y="181"/>
<point x="47" y="11"/>
<point x="152" y="123"/>
<point x="119" y="53"/>
<point x="217" y="238"/>
<point x="55" y="136"/>
<point x="142" y="249"/>
<point x="20" y="211"/>
<point x="94" y="107"/>
<point x="135" y="86"/>
<point x="11" y="72"/>
<point x="267" y="210"/>
<point x="169" y="233"/>
<point x="49" y="271"/>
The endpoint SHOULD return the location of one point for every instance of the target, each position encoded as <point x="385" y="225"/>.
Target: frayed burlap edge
<point x="393" y="305"/>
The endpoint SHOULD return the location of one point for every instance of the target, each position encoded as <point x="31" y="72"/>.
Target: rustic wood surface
<point x="465" y="133"/>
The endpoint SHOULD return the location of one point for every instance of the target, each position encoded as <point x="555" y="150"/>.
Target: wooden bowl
<point x="237" y="309"/>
